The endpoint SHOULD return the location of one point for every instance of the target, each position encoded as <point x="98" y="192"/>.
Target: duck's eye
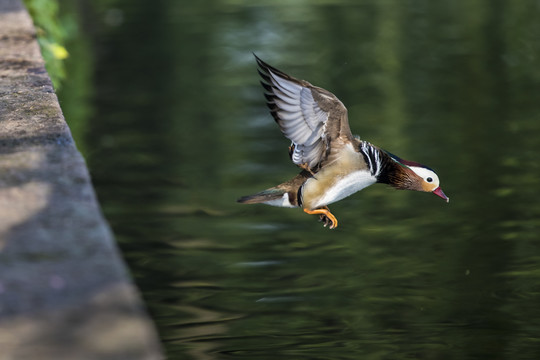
<point x="429" y="179"/>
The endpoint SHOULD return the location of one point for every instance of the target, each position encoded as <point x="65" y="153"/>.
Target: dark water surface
<point x="164" y="100"/>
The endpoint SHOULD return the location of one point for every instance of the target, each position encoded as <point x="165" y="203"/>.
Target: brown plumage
<point x="334" y="163"/>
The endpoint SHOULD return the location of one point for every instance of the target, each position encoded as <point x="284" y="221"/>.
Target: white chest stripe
<point x="373" y="158"/>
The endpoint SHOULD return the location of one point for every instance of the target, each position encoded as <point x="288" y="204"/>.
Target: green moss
<point x="51" y="35"/>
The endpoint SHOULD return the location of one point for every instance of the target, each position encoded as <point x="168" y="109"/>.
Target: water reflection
<point x="172" y="121"/>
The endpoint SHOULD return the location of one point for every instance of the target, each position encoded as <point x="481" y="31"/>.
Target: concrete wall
<point x="64" y="290"/>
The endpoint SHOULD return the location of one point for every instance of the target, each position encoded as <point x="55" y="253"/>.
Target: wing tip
<point x="266" y="71"/>
<point x="260" y="62"/>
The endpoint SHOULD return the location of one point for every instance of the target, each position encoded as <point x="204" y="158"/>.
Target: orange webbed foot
<point x="325" y="215"/>
<point x="326" y="219"/>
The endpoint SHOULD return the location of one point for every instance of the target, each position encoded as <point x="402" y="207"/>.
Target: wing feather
<point x="309" y="116"/>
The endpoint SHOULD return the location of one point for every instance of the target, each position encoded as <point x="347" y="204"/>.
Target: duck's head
<point x="428" y="181"/>
<point x="410" y="175"/>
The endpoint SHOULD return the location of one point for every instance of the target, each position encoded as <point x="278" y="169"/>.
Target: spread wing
<point x="311" y="117"/>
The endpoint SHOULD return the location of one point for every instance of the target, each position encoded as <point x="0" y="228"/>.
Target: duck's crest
<point x="406" y="163"/>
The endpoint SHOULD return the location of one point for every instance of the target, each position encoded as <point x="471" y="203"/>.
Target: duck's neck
<point x="389" y="169"/>
<point x="396" y="174"/>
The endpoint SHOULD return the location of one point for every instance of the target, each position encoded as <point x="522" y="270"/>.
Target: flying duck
<point x="334" y="162"/>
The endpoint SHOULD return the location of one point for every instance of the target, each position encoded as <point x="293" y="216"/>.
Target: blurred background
<point x="164" y="102"/>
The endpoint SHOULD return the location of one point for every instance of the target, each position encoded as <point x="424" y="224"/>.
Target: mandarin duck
<point x="334" y="163"/>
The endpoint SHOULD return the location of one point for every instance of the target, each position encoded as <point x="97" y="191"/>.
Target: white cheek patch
<point x="426" y="173"/>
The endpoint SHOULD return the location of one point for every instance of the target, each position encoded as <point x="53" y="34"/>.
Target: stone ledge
<point x="65" y="292"/>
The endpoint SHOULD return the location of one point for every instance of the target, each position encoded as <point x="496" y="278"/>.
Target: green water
<point x="164" y="100"/>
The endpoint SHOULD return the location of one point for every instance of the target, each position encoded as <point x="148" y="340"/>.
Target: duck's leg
<point x="325" y="219"/>
<point x="325" y="214"/>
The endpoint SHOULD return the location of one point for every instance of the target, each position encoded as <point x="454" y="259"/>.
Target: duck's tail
<point x="275" y="196"/>
<point x="287" y="194"/>
<point x="264" y="196"/>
